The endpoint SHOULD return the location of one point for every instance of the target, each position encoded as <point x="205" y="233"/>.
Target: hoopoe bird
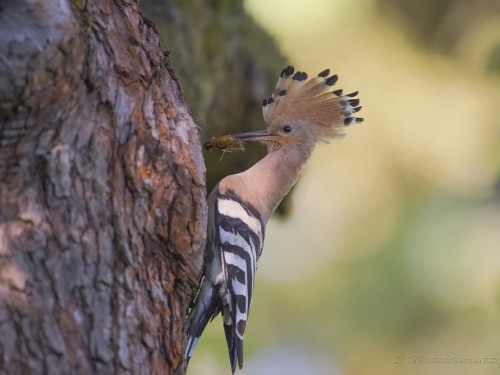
<point x="299" y="114"/>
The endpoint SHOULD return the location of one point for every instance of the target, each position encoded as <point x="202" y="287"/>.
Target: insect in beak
<point x="235" y="141"/>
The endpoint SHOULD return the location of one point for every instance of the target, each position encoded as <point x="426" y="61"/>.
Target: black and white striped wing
<point x="241" y="235"/>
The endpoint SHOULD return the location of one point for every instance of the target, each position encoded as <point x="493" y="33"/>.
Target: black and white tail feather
<point x="234" y="247"/>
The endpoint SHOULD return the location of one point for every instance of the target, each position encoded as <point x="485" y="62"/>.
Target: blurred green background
<point x="389" y="261"/>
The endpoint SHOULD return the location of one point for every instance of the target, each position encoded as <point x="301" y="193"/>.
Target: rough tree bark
<point x="102" y="195"/>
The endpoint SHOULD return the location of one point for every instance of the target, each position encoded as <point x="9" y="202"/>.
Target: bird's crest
<point x="299" y="100"/>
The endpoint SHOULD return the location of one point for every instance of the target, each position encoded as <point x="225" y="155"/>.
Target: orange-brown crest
<point x="313" y="102"/>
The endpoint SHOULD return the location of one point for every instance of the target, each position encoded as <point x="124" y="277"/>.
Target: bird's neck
<point x="274" y="176"/>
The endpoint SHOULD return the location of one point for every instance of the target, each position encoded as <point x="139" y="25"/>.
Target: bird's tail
<point x="204" y="310"/>
<point x="234" y="346"/>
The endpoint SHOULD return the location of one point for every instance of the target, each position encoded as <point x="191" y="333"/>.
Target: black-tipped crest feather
<point x="297" y="99"/>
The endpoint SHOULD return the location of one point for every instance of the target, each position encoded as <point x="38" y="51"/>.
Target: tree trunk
<point x="102" y="193"/>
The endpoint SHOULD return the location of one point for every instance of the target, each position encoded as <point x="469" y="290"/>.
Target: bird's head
<point x="304" y="111"/>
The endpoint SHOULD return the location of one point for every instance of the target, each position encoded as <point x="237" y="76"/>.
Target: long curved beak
<point x="259" y="135"/>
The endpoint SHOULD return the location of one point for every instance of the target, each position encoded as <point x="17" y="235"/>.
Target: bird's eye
<point x="287" y="128"/>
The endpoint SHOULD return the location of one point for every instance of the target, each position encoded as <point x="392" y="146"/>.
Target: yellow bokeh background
<point x="390" y="261"/>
